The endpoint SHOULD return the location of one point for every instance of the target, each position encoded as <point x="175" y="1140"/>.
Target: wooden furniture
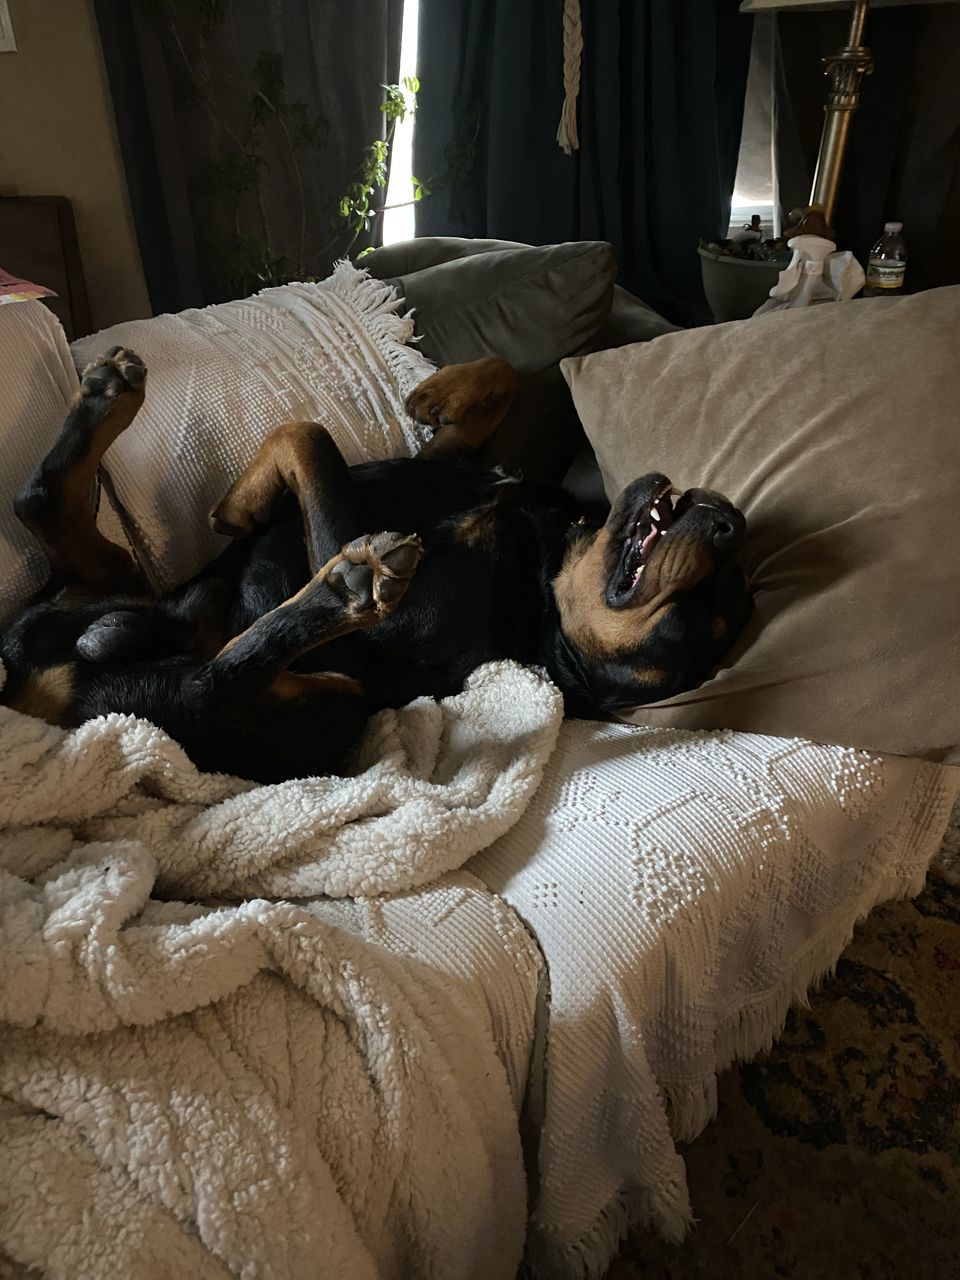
<point x="38" y="242"/>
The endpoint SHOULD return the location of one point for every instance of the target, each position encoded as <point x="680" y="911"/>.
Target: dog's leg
<point x="57" y="502"/>
<point x="354" y="590"/>
<point x="300" y="458"/>
<point x="465" y="403"/>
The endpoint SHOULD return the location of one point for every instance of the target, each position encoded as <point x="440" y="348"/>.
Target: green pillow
<point x="407" y="256"/>
<point x="531" y="306"/>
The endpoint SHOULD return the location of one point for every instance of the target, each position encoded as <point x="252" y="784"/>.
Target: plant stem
<point x="295" y="163"/>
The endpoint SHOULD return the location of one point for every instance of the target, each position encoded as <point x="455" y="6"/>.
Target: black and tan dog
<point x="268" y="662"/>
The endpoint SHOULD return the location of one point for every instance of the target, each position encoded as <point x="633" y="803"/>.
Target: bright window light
<point x="399" y="222"/>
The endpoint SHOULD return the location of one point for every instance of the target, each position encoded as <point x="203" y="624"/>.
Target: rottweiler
<point x="268" y="662"/>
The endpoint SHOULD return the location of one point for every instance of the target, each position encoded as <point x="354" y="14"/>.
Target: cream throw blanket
<point x="685" y="889"/>
<point x="253" y="1089"/>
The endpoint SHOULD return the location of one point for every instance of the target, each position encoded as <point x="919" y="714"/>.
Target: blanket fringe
<point x="588" y="1257"/>
<point x="750" y="1030"/>
<point x="393" y="329"/>
<point x="390" y="328"/>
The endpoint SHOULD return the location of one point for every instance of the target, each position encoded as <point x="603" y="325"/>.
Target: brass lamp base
<point x="845" y="70"/>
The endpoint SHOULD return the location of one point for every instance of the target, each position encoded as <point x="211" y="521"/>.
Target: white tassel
<point x="567" y="135"/>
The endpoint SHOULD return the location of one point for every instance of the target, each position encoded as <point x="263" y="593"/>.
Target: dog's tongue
<point x="649" y="540"/>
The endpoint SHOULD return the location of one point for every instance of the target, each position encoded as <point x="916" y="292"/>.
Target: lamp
<point x="845" y="69"/>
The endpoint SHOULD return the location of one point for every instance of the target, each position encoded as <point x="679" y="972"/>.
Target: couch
<point x="648" y="916"/>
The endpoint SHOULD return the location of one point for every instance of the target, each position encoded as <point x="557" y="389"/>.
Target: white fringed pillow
<point x="219" y="379"/>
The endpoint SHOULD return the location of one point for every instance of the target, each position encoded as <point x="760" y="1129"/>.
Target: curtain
<point x="242" y="124"/>
<point x="660" y="112"/>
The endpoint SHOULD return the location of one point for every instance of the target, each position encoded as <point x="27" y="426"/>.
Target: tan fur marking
<point x="600" y="632"/>
<point x="294" y="685"/>
<point x="477" y="528"/>
<point x="649" y="675"/>
<point x="46" y="695"/>
<point x="280" y="464"/>
<point x="588" y="622"/>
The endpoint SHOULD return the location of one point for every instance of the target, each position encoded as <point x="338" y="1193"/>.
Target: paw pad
<point x="375" y="570"/>
<point x="119" y="370"/>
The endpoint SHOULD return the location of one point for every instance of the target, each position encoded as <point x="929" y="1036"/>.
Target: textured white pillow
<point x="221" y="378"/>
<point x="37" y="383"/>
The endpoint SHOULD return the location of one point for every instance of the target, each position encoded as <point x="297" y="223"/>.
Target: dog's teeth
<point x="655" y="515"/>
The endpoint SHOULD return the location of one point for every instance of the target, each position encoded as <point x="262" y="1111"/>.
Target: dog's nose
<point x="727" y="526"/>
<point x="719" y="519"/>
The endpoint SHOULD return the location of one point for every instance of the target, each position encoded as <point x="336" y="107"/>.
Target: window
<point x="398" y="218"/>
<point x="755" y="190"/>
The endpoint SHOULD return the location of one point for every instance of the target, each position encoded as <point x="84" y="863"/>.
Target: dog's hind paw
<point x="374" y="571"/>
<point x="453" y="393"/>
<point x="119" y="370"/>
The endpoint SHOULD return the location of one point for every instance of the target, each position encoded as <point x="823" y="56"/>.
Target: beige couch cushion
<point x="837" y="431"/>
<point x="37" y="384"/>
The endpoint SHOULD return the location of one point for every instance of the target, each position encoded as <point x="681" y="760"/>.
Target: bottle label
<point x="888" y="274"/>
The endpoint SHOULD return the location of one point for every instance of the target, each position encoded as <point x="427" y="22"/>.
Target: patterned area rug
<point x="838" y="1153"/>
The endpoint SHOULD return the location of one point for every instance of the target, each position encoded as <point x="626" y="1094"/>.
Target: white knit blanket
<point x="262" y="1088"/>
<point x="220" y="378"/>
<point x="685" y="889"/>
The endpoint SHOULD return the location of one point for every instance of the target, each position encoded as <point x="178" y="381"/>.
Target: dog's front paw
<point x="373" y="572"/>
<point x="112" y="374"/>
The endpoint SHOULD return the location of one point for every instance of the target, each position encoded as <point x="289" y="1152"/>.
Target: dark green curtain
<point x="241" y="125"/>
<point x="660" y="112"/>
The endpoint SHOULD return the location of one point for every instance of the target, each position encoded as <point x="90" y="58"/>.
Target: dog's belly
<point x="469" y="602"/>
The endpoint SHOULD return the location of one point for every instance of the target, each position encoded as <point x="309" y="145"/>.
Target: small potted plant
<point x="739" y="273"/>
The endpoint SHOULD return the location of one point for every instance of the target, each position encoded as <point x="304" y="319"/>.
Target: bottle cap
<point x="895" y="227"/>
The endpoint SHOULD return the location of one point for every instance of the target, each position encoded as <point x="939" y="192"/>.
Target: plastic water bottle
<point x="887" y="264"/>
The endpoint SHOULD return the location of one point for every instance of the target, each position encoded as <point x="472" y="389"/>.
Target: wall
<point x="58" y="137"/>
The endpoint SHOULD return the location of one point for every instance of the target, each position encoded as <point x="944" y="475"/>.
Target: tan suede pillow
<point x="836" y="429"/>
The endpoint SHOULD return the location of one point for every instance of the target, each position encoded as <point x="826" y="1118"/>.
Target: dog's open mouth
<point x="650" y="524"/>
<point x="651" y="513"/>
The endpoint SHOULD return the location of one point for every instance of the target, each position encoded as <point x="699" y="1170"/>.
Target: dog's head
<point x="649" y="602"/>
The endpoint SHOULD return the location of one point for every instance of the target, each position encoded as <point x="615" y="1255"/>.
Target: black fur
<point x="491" y="548"/>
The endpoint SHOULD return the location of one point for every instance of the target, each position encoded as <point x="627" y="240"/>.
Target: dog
<point x="268" y="662"/>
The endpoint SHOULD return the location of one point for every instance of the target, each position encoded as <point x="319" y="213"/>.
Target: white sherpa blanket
<point x="253" y="1089"/>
